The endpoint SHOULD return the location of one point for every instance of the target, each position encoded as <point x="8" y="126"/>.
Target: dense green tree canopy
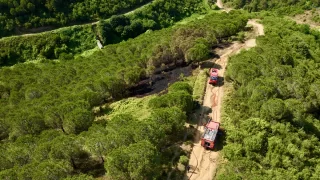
<point x="59" y="95"/>
<point x="46" y="107"/>
<point x="129" y="162"/>
<point x="272" y="120"/>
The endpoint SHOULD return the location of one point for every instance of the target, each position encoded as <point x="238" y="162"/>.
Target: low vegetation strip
<point x="200" y="86"/>
<point x="137" y="107"/>
<point x="271" y="118"/>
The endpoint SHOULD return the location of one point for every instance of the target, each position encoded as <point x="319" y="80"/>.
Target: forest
<point x="19" y="15"/>
<point x="46" y="116"/>
<point x="116" y="148"/>
<point x="68" y="42"/>
<point x="271" y="118"/>
<point x="65" y="106"/>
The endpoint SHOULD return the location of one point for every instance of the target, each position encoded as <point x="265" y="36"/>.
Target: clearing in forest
<point x="312" y="18"/>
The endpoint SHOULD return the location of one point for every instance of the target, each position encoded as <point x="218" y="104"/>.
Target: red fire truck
<point x="209" y="137"/>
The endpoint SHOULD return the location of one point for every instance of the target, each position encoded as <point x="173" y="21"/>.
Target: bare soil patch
<point x="308" y="18"/>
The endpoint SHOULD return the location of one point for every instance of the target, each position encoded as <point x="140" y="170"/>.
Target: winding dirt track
<point x="203" y="163"/>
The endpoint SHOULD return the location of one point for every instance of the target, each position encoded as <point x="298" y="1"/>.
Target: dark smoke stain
<point x="160" y="81"/>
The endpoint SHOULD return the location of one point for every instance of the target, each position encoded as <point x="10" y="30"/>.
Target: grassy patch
<point x="199" y="86"/>
<point x="187" y="20"/>
<point x="137" y="107"/>
<point x="88" y="53"/>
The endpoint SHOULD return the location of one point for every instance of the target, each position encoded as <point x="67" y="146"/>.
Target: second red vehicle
<point x="213" y="76"/>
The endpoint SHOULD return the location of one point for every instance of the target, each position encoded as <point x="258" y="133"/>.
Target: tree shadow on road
<point x="200" y="115"/>
<point x="220" y="141"/>
<point x="206" y="64"/>
<point x="223" y="45"/>
<point x="217" y="66"/>
<point x="220" y="81"/>
<point x="209" y="64"/>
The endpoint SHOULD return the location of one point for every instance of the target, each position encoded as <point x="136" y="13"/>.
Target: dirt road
<point x="259" y="31"/>
<point x="220" y="4"/>
<point x="203" y="163"/>
<point x="258" y="28"/>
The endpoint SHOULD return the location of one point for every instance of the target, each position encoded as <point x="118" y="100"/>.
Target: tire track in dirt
<point x="203" y="163"/>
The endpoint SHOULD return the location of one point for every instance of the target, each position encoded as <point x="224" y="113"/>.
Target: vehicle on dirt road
<point x="210" y="135"/>
<point x="213" y="76"/>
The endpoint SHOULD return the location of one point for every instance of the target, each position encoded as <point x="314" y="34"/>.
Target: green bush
<point x="180" y="86"/>
<point x="184" y="160"/>
<point x="215" y="7"/>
